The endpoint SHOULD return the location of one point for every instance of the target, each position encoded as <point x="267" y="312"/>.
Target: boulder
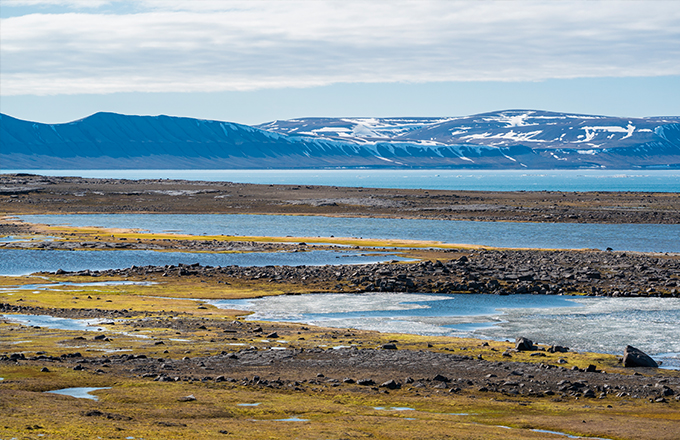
<point x="391" y="384"/>
<point x="524" y="344"/>
<point x="633" y="357"/>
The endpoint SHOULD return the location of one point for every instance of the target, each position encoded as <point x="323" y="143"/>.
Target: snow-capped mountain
<point x="505" y="139"/>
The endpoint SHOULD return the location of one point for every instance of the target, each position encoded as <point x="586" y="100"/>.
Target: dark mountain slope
<point x="509" y="139"/>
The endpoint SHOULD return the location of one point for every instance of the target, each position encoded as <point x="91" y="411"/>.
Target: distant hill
<point x="511" y="139"/>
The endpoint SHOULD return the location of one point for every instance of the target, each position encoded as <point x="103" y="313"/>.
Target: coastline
<point x="330" y="377"/>
<point x="32" y="194"/>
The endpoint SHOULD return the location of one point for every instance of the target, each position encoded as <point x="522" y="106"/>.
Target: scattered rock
<point x="391" y="384"/>
<point x="110" y="416"/>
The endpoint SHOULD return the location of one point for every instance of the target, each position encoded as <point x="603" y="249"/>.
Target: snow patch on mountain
<point x="511" y="138"/>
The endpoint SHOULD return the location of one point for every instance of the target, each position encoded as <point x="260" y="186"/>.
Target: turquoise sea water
<point x="495" y="180"/>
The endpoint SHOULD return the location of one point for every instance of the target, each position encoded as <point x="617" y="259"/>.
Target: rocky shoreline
<point x="500" y="272"/>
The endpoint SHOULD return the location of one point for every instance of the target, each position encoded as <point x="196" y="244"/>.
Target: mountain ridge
<point x="508" y="139"/>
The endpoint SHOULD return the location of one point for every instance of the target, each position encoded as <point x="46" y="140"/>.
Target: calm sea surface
<point x="629" y="237"/>
<point x="497" y="180"/>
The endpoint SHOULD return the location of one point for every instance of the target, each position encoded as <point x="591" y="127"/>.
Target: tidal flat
<point x="170" y="364"/>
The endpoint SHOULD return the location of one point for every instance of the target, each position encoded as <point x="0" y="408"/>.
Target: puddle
<point x="564" y="434"/>
<point x="56" y="323"/>
<point x="135" y="335"/>
<point x="39" y="287"/>
<point x="292" y="419"/>
<point x="180" y="340"/>
<point x="249" y="404"/>
<point x="278" y="348"/>
<point x="394" y="408"/>
<point x="18" y="238"/>
<point x="79" y="393"/>
<point x="338" y="347"/>
<point x="109" y="350"/>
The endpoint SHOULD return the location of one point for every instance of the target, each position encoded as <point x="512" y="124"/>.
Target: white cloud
<point x="64" y="3"/>
<point x="238" y="45"/>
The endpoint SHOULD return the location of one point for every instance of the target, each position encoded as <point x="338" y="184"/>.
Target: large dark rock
<point x="632" y="357"/>
<point x="524" y="344"/>
<point x="391" y="384"/>
<point x="558" y="349"/>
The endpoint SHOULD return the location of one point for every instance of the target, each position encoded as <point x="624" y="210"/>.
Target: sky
<point x="256" y="61"/>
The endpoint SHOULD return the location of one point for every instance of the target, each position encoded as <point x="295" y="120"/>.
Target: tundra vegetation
<point x="168" y="364"/>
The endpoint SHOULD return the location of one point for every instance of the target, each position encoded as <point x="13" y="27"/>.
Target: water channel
<point x="628" y="237"/>
<point x="14" y="262"/>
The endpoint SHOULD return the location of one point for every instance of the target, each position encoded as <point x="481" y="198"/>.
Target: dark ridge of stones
<point x="110" y="416"/>
<point x="68" y="313"/>
<point x="500" y="272"/>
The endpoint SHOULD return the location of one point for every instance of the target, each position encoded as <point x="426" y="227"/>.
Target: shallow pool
<point x="604" y="325"/>
<point x="55" y="323"/>
<point x="79" y="393"/>
<point x="629" y="237"/>
<point x="26" y="261"/>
